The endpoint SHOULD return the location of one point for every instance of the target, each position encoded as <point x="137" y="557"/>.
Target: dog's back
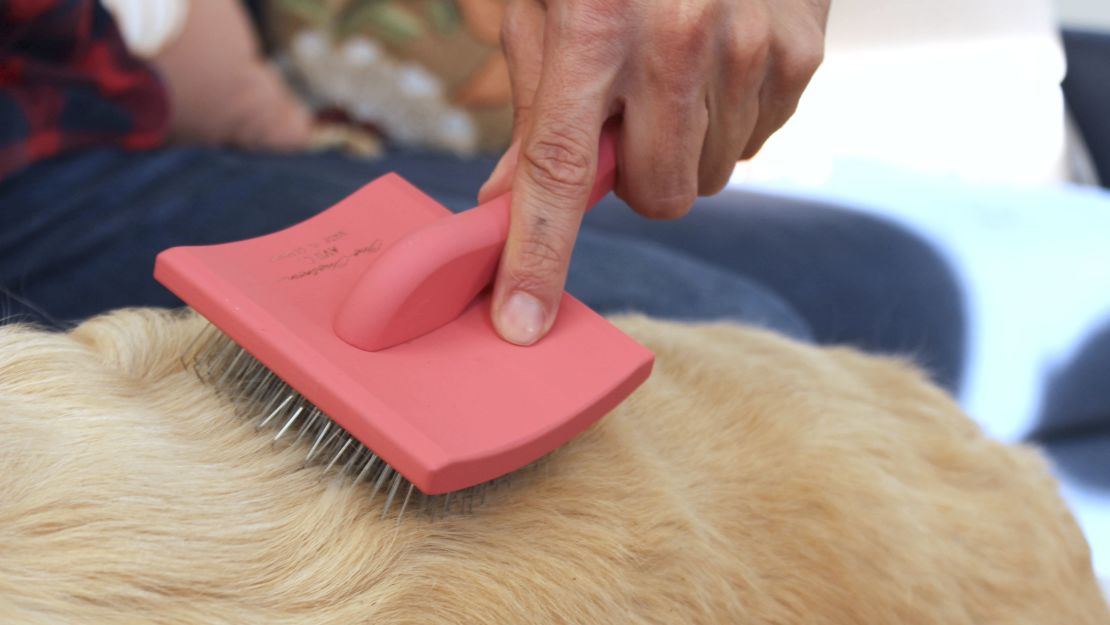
<point x="751" y="480"/>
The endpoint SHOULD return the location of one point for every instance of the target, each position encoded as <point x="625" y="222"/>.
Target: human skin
<point x="699" y="84"/>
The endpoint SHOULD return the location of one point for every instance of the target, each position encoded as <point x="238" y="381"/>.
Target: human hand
<point x="699" y="84"/>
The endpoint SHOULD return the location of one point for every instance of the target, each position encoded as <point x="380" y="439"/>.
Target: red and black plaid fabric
<point x="67" y="81"/>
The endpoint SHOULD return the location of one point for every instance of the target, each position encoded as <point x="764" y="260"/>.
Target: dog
<point x="751" y="480"/>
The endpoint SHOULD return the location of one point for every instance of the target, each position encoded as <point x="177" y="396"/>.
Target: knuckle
<point x="799" y="61"/>
<point x="750" y="50"/>
<point x="680" y="44"/>
<point x="750" y="44"/>
<point x="714" y="181"/>
<point x="587" y="21"/>
<point x="594" y="31"/>
<point x="671" y="78"/>
<point x="745" y="63"/>
<point x="559" y="163"/>
<point x="757" y="141"/>
<point x="535" y="262"/>
<point x="538" y="253"/>
<point x="667" y="205"/>
<point x="686" y="33"/>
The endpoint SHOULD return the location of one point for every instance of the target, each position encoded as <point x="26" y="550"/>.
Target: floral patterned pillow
<point x="425" y="73"/>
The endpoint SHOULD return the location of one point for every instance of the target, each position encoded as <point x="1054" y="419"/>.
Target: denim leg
<point x="1074" y="424"/>
<point x="618" y="274"/>
<point x="78" y="235"/>
<point x="854" y="278"/>
<point x="1087" y="91"/>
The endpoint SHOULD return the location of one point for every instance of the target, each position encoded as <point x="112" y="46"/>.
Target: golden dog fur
<point x="751" y="480"/>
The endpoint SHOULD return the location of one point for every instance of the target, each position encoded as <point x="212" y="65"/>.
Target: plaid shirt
<point x="67" y="81"/>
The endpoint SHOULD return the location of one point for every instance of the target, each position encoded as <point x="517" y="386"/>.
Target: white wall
<point x="906" y="80"/>
<point x="1085" y="13"/>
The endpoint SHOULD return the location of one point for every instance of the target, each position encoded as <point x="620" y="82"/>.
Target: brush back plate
<point x="450" y="409"/>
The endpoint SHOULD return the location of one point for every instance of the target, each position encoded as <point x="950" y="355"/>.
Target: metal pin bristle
<point x="392" y="493"/>
<point x="338" y="454"/>
<point x="288" y="423"/>
<point x="319" y="437"/>
<point x="260" y="396"/>
<point x="366" y="469"/>
<point x="405" y="503"/>
<point x="288" y="398"/>
<point x="382" y="477"/>
<point x="352" y="459"/>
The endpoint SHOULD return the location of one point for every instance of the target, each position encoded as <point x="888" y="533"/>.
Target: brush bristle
<point x="260" y="396"/>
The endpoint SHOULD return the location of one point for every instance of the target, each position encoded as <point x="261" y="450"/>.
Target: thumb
<point x="501" y="179"/>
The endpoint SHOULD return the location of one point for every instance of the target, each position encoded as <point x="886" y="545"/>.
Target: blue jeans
<point x="78" y="236"/>
<point x="1087" y="92"/>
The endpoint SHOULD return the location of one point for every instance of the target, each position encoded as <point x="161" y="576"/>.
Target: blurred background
<point x="1084" y="13"/>
<point x="984" y="125"/>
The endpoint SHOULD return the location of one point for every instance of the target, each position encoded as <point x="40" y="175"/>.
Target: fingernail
<point x="521" y="319"/>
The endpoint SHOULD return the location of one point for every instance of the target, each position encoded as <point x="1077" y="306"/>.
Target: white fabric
<point x="148" y="25"/>
<point x="965" y="87"/>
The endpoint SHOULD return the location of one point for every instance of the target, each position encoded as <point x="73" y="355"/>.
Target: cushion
<point x="426" y="74"/>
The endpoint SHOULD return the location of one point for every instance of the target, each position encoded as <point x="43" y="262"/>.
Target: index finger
<point x="552" y="184"/>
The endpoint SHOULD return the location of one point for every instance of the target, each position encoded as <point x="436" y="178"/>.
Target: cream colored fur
<point x="751" y="480"/>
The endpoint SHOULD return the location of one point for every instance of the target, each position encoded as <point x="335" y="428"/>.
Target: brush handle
<point x="427" y="278"/>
